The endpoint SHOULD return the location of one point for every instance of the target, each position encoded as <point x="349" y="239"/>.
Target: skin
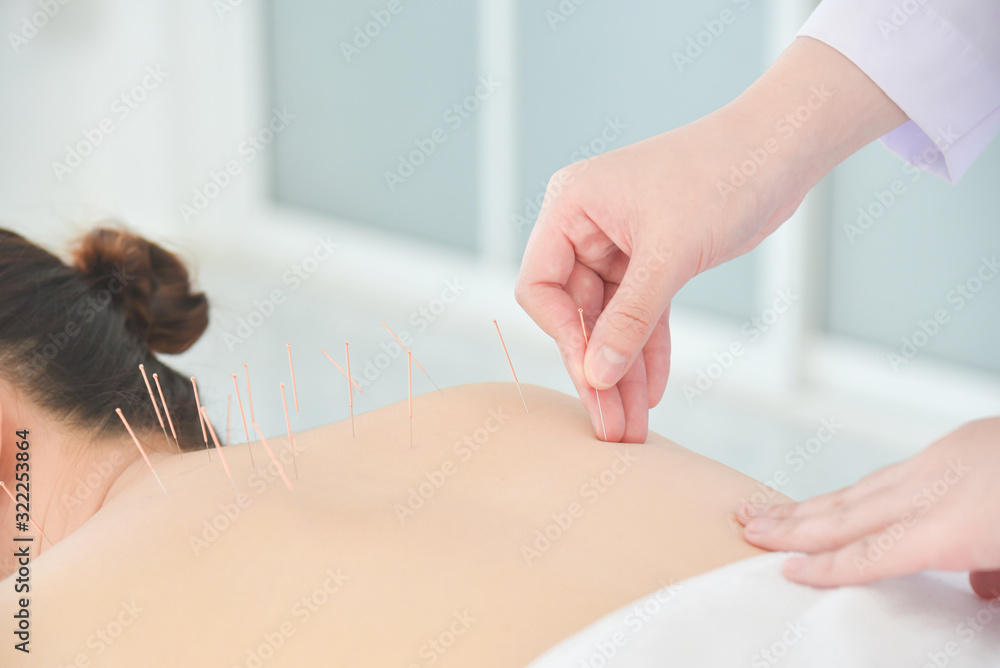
<point x="69" y="470"/>
<point x="619" y="234"/>
<point x="383" y="584"/>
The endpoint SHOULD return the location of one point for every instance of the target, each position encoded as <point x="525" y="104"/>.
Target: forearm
<point x="809" y="111"/>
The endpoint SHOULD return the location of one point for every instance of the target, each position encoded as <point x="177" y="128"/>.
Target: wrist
<point x="808" y="112"/>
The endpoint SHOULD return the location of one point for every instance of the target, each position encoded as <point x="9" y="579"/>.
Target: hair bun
<point x="148" y="284"/>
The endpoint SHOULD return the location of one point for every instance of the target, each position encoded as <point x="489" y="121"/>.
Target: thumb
<point x="624" y="326"/>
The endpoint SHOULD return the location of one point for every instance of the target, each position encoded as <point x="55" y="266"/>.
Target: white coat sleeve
<point x="938" y="60"/>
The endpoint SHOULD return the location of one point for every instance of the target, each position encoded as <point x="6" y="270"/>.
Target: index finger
<point x="549" y="261"/>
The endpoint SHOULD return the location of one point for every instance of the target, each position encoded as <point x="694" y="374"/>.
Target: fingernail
<point x="751" y="509"/>
<point x="607" y="366"/>
<point x="761" y="524"/>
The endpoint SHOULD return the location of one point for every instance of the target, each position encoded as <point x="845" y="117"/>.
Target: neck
<point x="65" y="473"/>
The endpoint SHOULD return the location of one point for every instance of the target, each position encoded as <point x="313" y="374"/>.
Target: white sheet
<point x="747" y="614"/>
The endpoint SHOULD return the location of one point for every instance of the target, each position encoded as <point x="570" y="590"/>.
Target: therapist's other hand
<point x="938" y="510"/>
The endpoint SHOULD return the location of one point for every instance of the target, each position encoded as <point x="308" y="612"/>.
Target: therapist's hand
<point x="937" y="510"/>
<point x="619" y="234"/>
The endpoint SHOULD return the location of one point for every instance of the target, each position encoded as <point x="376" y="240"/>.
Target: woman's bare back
<point x="495" y="536"/>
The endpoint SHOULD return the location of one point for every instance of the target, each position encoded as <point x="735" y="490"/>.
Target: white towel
<point x="748" y="614"/>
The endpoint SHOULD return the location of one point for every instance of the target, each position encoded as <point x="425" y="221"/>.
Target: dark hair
<point x="72" y="337"/>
